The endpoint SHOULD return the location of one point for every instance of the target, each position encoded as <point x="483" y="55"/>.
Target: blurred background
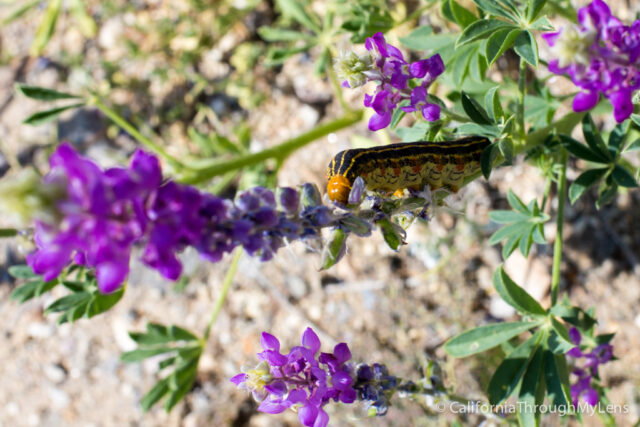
<point x="198" y="72"/>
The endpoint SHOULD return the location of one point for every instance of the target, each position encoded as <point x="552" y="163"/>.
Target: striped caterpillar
<point x="406" y="165"/>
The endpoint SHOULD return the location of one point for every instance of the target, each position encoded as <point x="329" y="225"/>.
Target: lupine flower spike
<point x="385" y="65"/>
<point x="586" y="368"/>
<point x="94" y="218"/>
<point x="600" y="55"/>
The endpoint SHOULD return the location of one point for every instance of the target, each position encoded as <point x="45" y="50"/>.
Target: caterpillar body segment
<point x="405" y="165"/>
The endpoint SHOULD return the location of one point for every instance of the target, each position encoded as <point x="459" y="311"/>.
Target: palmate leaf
<point x="522" y="227"/>
<point x="183" y="350"/>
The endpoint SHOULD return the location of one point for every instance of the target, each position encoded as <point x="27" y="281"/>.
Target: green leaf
<point x="69" y="302"/>
<point x="46" y="28"/>
<point x="419" y="38"/>
<point x="487" y="158"/>
<point x="634" y="146"/>
<point x="485" y="337"/>
<point x="32" y="288"/>
<point x="606" y="195"/>
<point x="21" y="271"/>
<point x="594" y="139"/>
<point x="497" y="8"/>
<point x="556" y="378"/>
<point x="415" y="133"/>
<point x="460" y="63"/>
<point x="103" y="302"/>
<point x="458" y="14"/>
<point x="393" y="234"/>
<point x="635" y="118"/>
<point x="541" y="24"/>
<point x="515" y="296"/>
<point x="526" y="47"/>
<point x="504" y="217"/>
<point x="506" y="149"/>
<point x="499" y="42"/>
<point x="492" y="104"/>
<point x="271" y="34"/>
<point x="474" y="110"/>
<point x="46" y="116"/>
<point x="143" y="353"/>
<point x="295" y="9"/>
<point x="533" y="9"/>
<point x="479" y="29"/>
<point x="334" y="248"/>
<point x="19" y="11"/>
<point x="582" y="151"/>
<point x="516" y="203"/>
<point x="623" y="177"/>
<point x="584" y="182"/>
<point x="506" y="378"/>
<point x="155" y="394"/>
<point x="529" y="390"/>
<point x="617" y="137"/>
<point x="42" y="93"/>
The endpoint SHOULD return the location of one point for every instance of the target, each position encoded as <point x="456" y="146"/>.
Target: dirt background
<point x="394" y="308"/>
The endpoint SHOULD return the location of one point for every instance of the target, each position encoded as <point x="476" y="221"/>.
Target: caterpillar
<point x="405" y="165"/>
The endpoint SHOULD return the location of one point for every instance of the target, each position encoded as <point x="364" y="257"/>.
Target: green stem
<point x="131" y="130"/>
<point x="557" y="245"/>
<point x="522" y="81"/>
<point x="8" y="232"/>
<point x="545" y="197"/>
<point x="226" y="285"/>
<point x="279" y="152"/>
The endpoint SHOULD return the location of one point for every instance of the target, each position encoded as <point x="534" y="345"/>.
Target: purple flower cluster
<point x="394" y="76"/>
<point x="102" y="214"/>
<point x="600" y="55"/>
<point x="303" y="379"/>
<point x="588" y="369"/>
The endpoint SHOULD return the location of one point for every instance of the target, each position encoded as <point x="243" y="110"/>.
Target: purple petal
<point x="377" y="121"/>
<point x="269" y="342"/>
<point x="418" y="95"/>
<point x="574" y="352"/>
<point x="551" y="38"/>
<point x="277" y="388"/>
<point x="307" y="415"/>
<point x="590" y="396"/>
<point x="239" y="379"/>
<point x="341" y="352"/>
<point x="296" y="396"/>
<point x="310" y="340"/>
<point x="574" y="335"/>
<point x="431" y="112"/>
<point x="355" y="195"/>
<point x="348" y="396"/>
<point x="110" y="275"/>
<point x="584" y="101"/>
<point x="341" y="380"/>
<point x="272" y="406"/>
<point x="322" y="420"/>
<point x="622" y="105"/>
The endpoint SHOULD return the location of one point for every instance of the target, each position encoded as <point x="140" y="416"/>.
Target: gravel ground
<point x="395" y="308"/>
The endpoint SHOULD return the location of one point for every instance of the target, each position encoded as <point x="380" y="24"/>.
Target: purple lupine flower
<point x="102" y="216"/>
<point x="586" y="368"/>
<point x="600" y="55"/>
<point x="386" y="65"/>
<point x="303" y="379"/>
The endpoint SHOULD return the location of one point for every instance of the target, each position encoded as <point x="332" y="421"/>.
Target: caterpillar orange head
<point x="339" y="188"/>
